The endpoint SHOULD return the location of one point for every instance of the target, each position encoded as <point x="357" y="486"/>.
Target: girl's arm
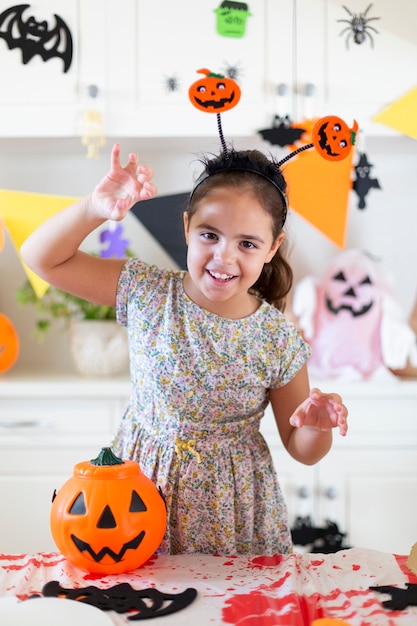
<point x="305" y="418"/>
<point x="52" y="250"/>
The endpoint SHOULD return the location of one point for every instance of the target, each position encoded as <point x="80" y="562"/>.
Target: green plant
<point x="57" y="304"/>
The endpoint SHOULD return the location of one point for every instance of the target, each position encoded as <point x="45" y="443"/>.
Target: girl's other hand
<point x="322" y="411"/>
<point x="122" y="187"/>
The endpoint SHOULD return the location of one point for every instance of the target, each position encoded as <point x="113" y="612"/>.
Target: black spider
<point x="359" y="27"/>
<point x="172" y="84"/>
<point x="232" y="71"/>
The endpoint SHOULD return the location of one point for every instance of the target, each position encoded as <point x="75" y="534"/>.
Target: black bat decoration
<point x="282" y="134"/>
<point x="123" y="598"/>
<point x="363" y="183"/>
<point x="327" y="539"/>
<point x="35" y="38"/>
<point x="400" y="598"/>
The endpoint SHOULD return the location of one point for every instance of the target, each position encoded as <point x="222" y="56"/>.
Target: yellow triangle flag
<point x="401" y="115"/>
<point x="22" y="213"/>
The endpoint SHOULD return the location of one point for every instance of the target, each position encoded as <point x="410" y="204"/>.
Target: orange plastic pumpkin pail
<point x="109" y="517"/>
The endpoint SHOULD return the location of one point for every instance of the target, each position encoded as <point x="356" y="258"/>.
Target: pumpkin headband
<point x="242" y="161"/>
<point x="214" y="93"/>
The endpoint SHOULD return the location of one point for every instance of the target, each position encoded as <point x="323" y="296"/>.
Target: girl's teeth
<point x="220" y="276"/>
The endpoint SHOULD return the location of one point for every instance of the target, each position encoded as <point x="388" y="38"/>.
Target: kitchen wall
<point x="387" y="227"/>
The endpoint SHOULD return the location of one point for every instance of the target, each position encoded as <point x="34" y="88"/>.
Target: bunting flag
<point x="318" y="190"/>
<point x="162" y="217"/>
<point x="22" y="213"/>
<point x="401" y="114"/>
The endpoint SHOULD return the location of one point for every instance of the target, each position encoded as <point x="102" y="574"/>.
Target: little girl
<point x="209" y="349"/>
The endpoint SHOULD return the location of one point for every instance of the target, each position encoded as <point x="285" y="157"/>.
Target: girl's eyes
<point x="248" y="245"/>
<point x="209" y="236"/>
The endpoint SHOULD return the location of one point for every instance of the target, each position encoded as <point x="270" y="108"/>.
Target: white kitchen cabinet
<point x="47" y="425"/>
<point x="135" y="51"/>
<point x="324" y="76"/>
<point x="157" y="46"/>
<point x="367" y="483"/>
<point x="361" y="80"/>
<point x="291" y="60"/>
<point x="38" y="98"/>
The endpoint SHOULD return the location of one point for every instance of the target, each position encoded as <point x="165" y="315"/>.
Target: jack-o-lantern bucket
<point x="109" y="517"/>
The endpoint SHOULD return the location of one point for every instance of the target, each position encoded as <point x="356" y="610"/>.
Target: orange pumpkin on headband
<point x="214" y="93"/>
<point x="109" y="517"/>
<point x="333" y="139"/>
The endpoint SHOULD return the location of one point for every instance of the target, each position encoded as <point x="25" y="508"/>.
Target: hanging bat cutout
<point x="122" y="598"/>
<point x="35" y="38"/>
<point x="400" y="598"/>
<point x="363" y="183"/>
<point x="282" y="133"/>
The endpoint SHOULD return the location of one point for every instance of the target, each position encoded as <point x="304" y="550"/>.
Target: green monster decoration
<point x="231" y="18"/>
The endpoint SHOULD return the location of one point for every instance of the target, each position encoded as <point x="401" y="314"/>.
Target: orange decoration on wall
<point x="2" y="237"/>
<point x="318" y="190"/>
<point x="9" y="344"/>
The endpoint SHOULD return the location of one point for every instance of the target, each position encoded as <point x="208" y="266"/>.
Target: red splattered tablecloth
<point x="246" y="591"/>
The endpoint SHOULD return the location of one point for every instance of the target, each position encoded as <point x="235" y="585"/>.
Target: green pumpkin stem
<point x="107" y="457"/>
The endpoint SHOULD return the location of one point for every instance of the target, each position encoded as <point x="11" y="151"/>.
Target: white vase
<point x="99" y="347"/>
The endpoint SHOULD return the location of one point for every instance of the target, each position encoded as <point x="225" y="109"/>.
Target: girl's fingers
<point x="115" y="156"/>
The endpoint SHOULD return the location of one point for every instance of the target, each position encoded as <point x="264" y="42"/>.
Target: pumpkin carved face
<point x="352" y="296"/>
<point x="214" y="93"/>
<point x="332" y="137"/>
<point x="108" y="518"/>
<point x="353" y="285"/>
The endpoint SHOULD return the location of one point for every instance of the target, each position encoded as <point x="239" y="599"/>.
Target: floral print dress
<point x="199" y="390"/>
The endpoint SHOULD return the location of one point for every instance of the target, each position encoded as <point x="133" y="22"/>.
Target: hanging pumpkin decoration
<point x="333" y="139"/>
<point x="214" y="93"/>
<point x="9" y="344"/>
<point x="108" y="518"/>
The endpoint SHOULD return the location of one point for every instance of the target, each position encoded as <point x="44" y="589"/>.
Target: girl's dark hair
<point x="252" y="169"/>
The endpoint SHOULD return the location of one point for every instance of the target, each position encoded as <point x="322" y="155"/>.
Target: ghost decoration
<point x="355" y="326"/>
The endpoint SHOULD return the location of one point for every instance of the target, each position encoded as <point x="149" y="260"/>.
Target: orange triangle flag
<point x="318" y="190"/>
<point x="22" y="213"/>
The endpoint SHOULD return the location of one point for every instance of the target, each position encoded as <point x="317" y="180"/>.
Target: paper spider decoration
<point x="358" y="27"/>
<point x="363" y="183"/>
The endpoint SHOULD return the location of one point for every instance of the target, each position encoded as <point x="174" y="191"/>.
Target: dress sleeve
<point x="140" y="286"/>
<point x="292" y="352"/>
<point x="132" y="277"/>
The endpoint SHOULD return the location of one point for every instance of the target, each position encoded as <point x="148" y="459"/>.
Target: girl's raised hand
<point x="122" y="187"/>
<point x="322" y="411"/>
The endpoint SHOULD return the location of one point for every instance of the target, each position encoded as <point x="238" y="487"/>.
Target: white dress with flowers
<point x="199" y="390"/>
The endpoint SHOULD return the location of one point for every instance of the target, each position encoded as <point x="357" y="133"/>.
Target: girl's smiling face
<point x="229" y="240"/>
